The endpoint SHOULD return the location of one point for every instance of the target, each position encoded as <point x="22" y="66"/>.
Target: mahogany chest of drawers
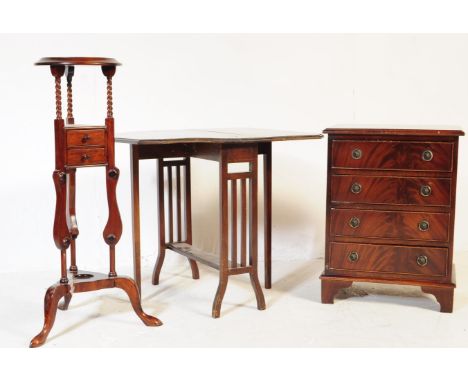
<point x="391" y="209"/>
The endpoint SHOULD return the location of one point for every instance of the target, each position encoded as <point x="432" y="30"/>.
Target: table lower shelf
<point x="210" y="259"/>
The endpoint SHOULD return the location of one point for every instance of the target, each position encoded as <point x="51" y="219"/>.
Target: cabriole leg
<point x="52" y="297"/>
<point x="129" y="286"/>
<point x="66" y="302"/>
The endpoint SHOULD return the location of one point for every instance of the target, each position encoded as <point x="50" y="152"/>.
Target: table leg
<point x="267" y="212"/>
<point x="162" y="223"/>
<point x="188" y="217"/>
<point x="253" y="239"/>
<point x="228" y="267"/>
<point x="223" y="236"/>
<point x="135" y="181"/>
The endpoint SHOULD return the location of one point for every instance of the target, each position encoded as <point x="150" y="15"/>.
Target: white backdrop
<point x="295" y="82"/>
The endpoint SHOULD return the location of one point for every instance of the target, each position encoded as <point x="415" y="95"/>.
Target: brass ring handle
<point x="353" y="256"/>
<point x="354" y="222"/>
<point x="85" y="157"/>
<point x="423" y="225"/>
<point x="422" y="260"/>
<point x="85" y="138"/>
<point x="356" y="188"/>
<point x="427" y="155"/>
<point x="356" y="154"/>
<point x="426" y="190"/>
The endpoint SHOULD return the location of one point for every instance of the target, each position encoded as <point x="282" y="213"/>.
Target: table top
<point x="230" y="135"/>
<point x="103" y="61"/>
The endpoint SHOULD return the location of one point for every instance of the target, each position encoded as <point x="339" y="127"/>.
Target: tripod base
<point x="86" y="282"/>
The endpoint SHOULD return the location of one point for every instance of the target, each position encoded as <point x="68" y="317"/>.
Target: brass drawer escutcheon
<point x="427" y="155"/>
<point x="422" y="260"/>
<point x="426" y="190"/>
<point x="423" y="225"/>
<point x="353" y="256"/>
<point x="356" y="154"/>
<point x="354" y="222"/>
<point x="356" y="188"/>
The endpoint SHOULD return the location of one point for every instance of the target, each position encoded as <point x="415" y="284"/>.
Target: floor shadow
<point x="109" y="310"/>
<point x="165" y="287"/>
<point x="73" y="327"/>
<point x="109" y="305"/>
<point x="295" y="282"/>
<point x="303" y="282"/>
<point x="390" y="294"/>
<point x="228" y="308"/>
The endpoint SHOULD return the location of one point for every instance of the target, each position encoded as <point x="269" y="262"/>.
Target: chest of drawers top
<point x="396" y="130"/>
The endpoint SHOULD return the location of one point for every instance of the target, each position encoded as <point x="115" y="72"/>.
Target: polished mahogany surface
<point x="388" y="259"/>
<point x="392" y="155"/>
<point x="390" y="190"/>
<point x="173" y="150"/>
<point x="391" y="208"/>
<point x="228" y="135"/>
<point x="78" y="147"/>
<point x="102" y="61"/>
<point x="396" y="130"/>
<point x="414" y="226"/>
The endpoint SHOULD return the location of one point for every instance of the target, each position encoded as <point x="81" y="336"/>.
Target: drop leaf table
<point x="237" y="198"/>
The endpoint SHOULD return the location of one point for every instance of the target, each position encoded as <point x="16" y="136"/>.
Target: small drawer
<point x="401" y="225"/>
<point x="384" y="259"/>
<point x="392" y="155"/>
<point x="86" y="157"/>
<point x="86" y="137"/>
<point x="390" y="190"/>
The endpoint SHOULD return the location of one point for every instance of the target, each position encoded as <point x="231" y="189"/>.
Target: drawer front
<point x="390" y="224"/>
<point x="390" y="190"/>
<point x="86" y="157"/>
<point x="392" y="155"/>
<point x="426" y="261"/>
<point x="86" y="137"/>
